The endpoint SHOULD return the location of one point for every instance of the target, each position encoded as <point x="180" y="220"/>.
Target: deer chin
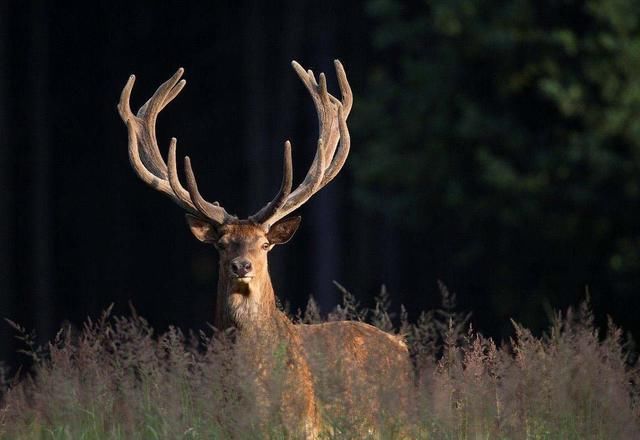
<point x="242" y="280"/>
<point x="241" y="285"/>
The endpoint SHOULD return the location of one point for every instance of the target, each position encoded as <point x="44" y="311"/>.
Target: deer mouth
<point x="243" y="279"/>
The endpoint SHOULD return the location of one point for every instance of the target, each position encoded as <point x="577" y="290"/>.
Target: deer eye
<point x="265" y="246"/>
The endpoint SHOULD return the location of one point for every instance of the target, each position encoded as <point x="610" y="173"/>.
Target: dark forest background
<point x="495" y="147"/>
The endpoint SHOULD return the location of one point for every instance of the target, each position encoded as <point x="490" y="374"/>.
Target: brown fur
<point x="245" y="295"/>
<point x="358" y="369"/>
<point x="262" y="328"/>
<point x="347" y="364"/>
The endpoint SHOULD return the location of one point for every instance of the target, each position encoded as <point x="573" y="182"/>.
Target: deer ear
<point x="283" y="230"/>
<point x="202" y="230"/>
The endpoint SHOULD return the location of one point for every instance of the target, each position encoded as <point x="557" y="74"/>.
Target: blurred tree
<point x="510" y="134"/>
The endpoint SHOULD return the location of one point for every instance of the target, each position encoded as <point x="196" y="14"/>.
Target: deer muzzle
<point x="241" y="269"/>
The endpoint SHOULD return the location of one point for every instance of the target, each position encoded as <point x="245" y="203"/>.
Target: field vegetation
<point x="115" y="378"/>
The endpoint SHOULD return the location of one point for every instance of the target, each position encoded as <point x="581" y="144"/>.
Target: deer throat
<point x="247" y="303"/>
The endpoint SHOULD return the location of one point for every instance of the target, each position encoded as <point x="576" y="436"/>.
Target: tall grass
<point x="115" y="379"/>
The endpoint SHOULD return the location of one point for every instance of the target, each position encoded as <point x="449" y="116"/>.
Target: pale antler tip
<point x="174" y="78"/>
<point x="128" y="87"/>
<point x="323" y="83"/>
<point x="172" y="152"/>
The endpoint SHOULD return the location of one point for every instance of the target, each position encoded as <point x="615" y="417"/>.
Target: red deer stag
<point x="327" y="360"/>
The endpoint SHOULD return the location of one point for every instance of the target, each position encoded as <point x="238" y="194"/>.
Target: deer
<point x="246" y="299"/>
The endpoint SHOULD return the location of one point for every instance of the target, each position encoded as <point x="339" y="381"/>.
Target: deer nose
<point x="240" y="267"/>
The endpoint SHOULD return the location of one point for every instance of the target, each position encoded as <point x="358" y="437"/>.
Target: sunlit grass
<point x="115" y="379"/>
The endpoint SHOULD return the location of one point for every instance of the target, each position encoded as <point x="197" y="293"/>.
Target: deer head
<point x="245" y="293"/>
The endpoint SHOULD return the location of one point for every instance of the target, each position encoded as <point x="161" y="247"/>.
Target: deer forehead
<point x="242" y="233"/>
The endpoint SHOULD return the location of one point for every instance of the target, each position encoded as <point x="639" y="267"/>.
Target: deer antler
<point x="331" y="153"/>
<point x="145" y="156"/>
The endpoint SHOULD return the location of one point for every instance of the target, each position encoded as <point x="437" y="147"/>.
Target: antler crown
<point x="331" y="152"/>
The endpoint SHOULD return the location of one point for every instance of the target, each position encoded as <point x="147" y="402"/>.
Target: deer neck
<point x="244" y="306"/>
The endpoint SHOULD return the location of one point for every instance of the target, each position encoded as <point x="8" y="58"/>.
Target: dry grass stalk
<point x="116" y="379"/>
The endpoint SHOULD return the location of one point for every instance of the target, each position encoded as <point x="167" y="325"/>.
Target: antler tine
<point x="343" y="106"/>
<point x="148" y="114"/>
<point x="174" y="181"/>
<point x="212" y="211"/>
<point x="162" y="96"/>
<point x="340" y="154"/>
<point x="124" y="107"/>
<point x="325" y="107"/>
<point x="175" y="91"/>
<point x="343" y="148"/>
<point x="142" y="138"/>
<point x="345" y="88"/>
<point x="148" y="177"/>
<point x="332" y="148"/>
<point x="145" y="156"/>
<point x="322" y="101"/>
<point x="326" y="121"/>
<point x="285" y="189"/>
<point x="144" y="122"/>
